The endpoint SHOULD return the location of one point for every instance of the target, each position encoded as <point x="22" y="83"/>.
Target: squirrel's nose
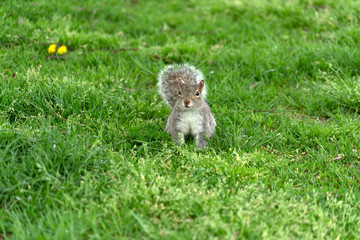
<point x="187" y="102"/>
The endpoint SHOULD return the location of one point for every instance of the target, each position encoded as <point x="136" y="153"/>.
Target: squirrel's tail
<point x="168" y="81"/>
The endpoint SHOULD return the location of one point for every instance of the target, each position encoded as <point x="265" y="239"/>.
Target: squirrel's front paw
<point x="201" y="143"/>
<point x="178" y="138"/>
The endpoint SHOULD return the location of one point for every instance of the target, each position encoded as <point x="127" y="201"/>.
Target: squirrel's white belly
<point x="191" y="122"/>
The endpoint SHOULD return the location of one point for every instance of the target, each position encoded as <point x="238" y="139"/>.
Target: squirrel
<point x="182" y="87"/>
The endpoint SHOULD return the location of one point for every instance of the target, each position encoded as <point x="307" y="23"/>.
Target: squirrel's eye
<point x="179" y="92"/>
<point x="197" y="93"/>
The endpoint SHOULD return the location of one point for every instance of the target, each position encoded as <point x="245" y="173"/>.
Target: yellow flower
<point x="52" y="48"/>
<point x="62" y="50"/>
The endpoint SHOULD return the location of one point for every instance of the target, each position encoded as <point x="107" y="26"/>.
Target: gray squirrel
<point x="182" y="87"/>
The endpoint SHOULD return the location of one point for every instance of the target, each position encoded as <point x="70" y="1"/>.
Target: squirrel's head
<point x="190" y="95"/>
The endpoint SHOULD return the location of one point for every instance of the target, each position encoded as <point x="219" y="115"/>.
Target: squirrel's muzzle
<point x="187" y="102"/>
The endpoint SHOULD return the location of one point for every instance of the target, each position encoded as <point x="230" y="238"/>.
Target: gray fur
<point x="168" y="81"/>
<point x="190" y="115"/>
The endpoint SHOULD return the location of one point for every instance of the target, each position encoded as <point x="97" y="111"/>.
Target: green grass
<point x="83" y="154"/>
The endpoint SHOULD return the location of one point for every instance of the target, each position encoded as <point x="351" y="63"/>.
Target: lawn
<point x="83" y="154"/>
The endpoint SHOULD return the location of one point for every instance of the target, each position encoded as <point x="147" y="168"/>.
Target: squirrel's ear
<point x="201" y="85"/>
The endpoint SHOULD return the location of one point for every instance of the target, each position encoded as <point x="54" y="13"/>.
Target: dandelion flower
<point x="62" y="50"/>
<point x="52" y="48"/>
